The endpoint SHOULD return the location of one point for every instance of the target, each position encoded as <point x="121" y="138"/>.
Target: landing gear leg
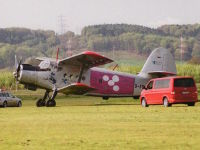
<point x="42" y="101"/>
<point x="51" y="102"/>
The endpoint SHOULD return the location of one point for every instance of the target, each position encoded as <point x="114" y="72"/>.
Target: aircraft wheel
<point x="191" y="104"/>
<point x="4" y="104"/>
<point x="144" y="102"/>
<point x="166" y="102"/>
<point x="40" y="103"/>
<point x="51" y="103"/>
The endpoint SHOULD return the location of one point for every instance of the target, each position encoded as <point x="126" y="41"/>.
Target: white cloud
<point x="164" y="21"/>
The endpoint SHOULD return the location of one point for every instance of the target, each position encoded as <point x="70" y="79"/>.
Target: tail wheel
<point x="191" y="104"/>
<point x="105" y="97"/>
<point x="166" y="102"/>
<point x="4" y="104"/>
<point x="144" y="102"/>
<point x="19" y="104"/>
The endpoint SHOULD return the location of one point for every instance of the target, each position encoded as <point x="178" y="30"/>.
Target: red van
<point x="170" y="90"/>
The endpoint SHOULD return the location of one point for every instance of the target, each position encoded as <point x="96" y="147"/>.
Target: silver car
<point x="7" y="99"/>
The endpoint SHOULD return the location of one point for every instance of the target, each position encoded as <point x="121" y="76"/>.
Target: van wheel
<point x="191" y="104"/>
<point x="4" y="104"/>
<point x="166" y="102"/>
<point x="144" y="102"/>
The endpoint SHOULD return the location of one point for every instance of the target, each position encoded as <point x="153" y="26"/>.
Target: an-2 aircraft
<point x="79" y="74"/>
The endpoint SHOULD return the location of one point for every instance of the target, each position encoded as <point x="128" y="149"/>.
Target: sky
<point x="45" y="14"/>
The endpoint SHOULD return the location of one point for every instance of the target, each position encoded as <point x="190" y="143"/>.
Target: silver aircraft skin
<point x="79" y="74"/>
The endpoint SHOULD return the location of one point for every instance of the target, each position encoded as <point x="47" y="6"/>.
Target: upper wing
<point x="88" y="58"/>
<point x="76" y="88"/>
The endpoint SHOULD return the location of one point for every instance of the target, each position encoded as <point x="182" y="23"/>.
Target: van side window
<point x="150" y="85"/>
<point x="159" y="84"/>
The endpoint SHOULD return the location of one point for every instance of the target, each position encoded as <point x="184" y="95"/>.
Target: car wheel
<point x="5" y="104"/>
<point x="191" y="104"/>
<point x="19" y="104"/>
<point x="144" y="102"/>
<point x="166" y="102"/>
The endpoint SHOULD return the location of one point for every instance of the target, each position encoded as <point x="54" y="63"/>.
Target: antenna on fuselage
<point x="115" y="67"/>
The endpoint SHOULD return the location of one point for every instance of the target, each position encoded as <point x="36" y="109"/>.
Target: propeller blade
<point x="16" y="62"/>
<point x="17" y="67"/>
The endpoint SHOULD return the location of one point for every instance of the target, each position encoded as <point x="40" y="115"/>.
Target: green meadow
<point x="91" y="123"/>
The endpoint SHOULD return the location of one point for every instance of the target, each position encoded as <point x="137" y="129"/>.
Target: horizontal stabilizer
<point x="161" y="74"/>
<point x="76" y="88"/>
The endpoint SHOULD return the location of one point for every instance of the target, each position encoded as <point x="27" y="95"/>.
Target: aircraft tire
<point x="191" y="104"/>
<point x="40" y="103"/>
<point x="51" y="103"/>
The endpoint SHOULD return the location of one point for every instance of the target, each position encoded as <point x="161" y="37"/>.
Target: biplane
<point x="79" y="74"/>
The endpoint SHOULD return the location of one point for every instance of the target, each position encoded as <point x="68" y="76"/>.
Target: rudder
<point x="159" y="63"/>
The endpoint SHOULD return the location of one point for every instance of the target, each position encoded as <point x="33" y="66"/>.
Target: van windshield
<point x="184" y="82"/>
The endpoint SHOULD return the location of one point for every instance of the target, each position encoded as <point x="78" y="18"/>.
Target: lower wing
<point x="76" y="88"/>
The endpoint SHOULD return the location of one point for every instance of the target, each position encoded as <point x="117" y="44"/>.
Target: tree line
<point x="134" y="38"/>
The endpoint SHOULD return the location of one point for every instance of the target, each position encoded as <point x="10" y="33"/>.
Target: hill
<point x="124" y="37"/>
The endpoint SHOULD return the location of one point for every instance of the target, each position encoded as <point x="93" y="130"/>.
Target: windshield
<point x="150" y="85"/>
<point x="184" y="82"/>
<point x="44" y="64"/>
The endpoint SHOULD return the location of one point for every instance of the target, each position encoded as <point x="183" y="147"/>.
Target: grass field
<point x="91" y="123"/>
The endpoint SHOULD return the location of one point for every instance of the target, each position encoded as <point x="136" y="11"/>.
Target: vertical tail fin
<point x="159" y="63"/>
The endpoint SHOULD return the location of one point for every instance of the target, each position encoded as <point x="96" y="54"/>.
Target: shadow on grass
<point x="113" y="104"/>
<point x="98" y="105"/>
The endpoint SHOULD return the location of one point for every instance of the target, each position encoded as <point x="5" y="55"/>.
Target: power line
<point x="62" y="24"/>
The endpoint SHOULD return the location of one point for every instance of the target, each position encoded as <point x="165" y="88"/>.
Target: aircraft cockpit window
<point x="44" y="64"/>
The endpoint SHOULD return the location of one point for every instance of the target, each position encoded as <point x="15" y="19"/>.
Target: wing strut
<point x="81" y="73"/>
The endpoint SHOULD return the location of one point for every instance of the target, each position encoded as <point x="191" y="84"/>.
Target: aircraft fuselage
<point x="106" y="82"/>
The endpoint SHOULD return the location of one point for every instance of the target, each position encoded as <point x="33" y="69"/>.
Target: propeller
<point x="17" y="67"/>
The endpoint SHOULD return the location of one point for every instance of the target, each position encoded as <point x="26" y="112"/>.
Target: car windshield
<point x="150" y="85"/>
<point x="184" y="82"/>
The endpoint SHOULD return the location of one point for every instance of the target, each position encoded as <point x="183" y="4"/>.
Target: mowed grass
<point x="91" y="123"/>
